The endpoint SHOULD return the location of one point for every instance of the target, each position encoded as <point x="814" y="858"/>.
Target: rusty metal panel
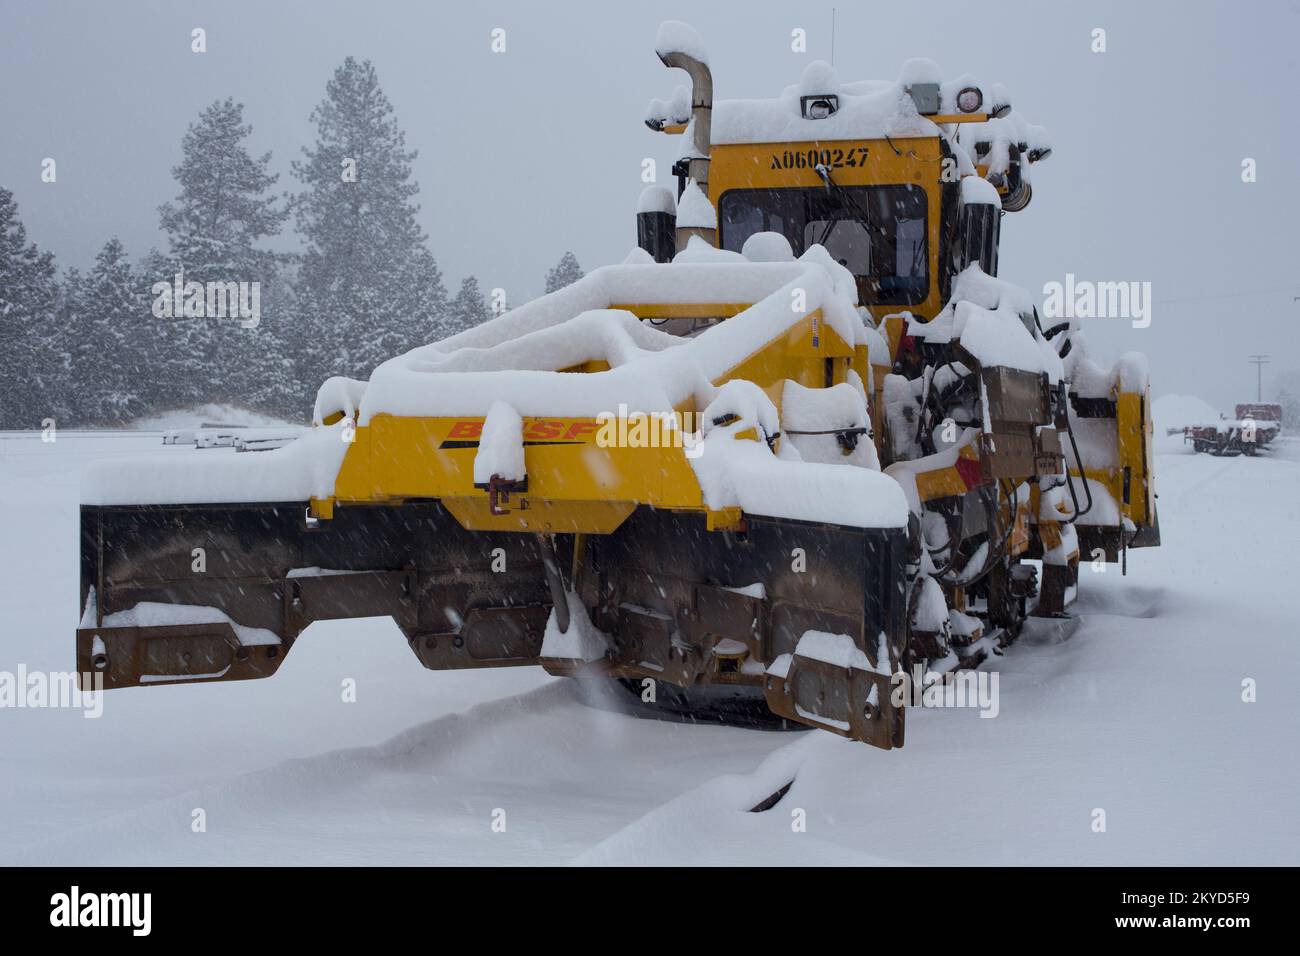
<point x="850" y="702"/>
<point x="1015" y="395"/>
<point x="175" y="654"/>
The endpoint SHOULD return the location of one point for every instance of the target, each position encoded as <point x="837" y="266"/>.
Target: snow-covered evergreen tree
<point x="110" y="358"/>
<point x="225" y="208"/>
<point x="369" y="288"/>
<point x="275" y="387"/>
<point x="468" y="308"/>
<point x="67" y="342"/>
<point x="566" y="272"/>
<point x="31" y="360"/>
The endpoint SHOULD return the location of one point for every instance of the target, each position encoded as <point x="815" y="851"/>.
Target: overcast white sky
<point x="526" y="154"/>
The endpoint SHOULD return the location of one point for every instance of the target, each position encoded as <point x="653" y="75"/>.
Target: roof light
<point x="926" y="97"/>
<point x="969" y="99"/>
<point x="819" y="106"/>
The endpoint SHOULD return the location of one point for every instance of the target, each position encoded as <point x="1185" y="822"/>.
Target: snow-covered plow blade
<point x="182" y="594"/>
<point x="659" y="590"/>
<point x="646" y="598"/>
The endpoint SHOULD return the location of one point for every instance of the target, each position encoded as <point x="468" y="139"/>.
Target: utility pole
<point x="1259" y="361"/>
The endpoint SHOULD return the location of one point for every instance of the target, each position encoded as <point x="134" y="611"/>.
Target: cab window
<point x="879" y="233"/>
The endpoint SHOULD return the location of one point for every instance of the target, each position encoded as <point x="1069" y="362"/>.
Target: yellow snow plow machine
<point x="802" y="446"/>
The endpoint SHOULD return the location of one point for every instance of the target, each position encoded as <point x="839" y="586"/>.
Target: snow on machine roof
<point x="868" y="109"/>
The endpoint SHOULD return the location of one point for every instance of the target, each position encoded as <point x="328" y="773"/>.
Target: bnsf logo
<point x="535" y="430"/>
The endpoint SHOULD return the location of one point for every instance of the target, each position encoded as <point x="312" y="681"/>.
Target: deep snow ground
<point x="1135" y="708"/>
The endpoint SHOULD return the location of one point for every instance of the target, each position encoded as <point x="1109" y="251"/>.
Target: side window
<point x="910" y="248"/>
<point x="740" y="220"/>
<point x="900" y="267"/>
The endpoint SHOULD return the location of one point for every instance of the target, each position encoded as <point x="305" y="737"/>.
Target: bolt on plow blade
<point x="198" y="593"/>
<point x="679" y="605"/>
<point x="846" y="700"/>
<point x="804" y="618"/>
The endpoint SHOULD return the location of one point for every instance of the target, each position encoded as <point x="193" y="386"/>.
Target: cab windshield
<point x="877" y="232"/>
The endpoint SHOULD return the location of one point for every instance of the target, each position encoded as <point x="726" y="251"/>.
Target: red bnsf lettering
<point x="578" y="429"/>
<point x="466" y="430"/>
<point x="542" y="430"/>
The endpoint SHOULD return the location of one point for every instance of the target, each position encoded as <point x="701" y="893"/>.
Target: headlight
<point x="970" y="99"/>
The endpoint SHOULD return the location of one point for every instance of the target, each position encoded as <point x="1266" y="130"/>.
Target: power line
<point x="1225" y="295"/>
<point x="1259" y="361"/>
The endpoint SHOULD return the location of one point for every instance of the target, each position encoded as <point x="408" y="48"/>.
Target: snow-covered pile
<point x="517" y="357"/>
<point x="154" y="614"/>
<point x="1000" y="135"/>
<point x="1129" y="373"/>
<point x="674" y="111"/>
<point x="579" y="353"/>
<point x="814" y="419"/>
<point x="767" y="247"/>
<point x="210" y="414"/>
<point x="615" y="336"/>
<point x="501" y="449"/>
<point x="699" y="252"/>
<point x="976" y="191"/>
<point x="583" y="641"/>
<point x="1179" y="411"/>
<point x="299" y="471"/>
<point x="867" y="110"/>
<point x="739" y="468"/>
<point x="677" y="37"/>
<point x="986" y="315"/>
<point x="338" y="396"/>
<point x="656" y="199"/>
<point x="839" y="650"/>
<point x="694" y="210"/>
<point x="873" y="109"/>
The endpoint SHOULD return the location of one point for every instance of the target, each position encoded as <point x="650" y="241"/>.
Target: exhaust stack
<point x="678" y="45"/>
<point x="656" y="223"/>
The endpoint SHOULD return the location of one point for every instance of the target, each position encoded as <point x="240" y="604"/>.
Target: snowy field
<point x="1134" y="707"/>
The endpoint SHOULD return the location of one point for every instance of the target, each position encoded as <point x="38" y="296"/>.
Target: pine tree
<point x="31" y="363"/>
<point x="369" y="288"/>
<point x="566" y="272"/>
<point x="67" y="344"/>
<point x="178" y="369"/>
<point x="274" y="384"/>
<point x="225" y="208"/>
<point x="468" y="308"/>
<point x="110" y="360"/>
